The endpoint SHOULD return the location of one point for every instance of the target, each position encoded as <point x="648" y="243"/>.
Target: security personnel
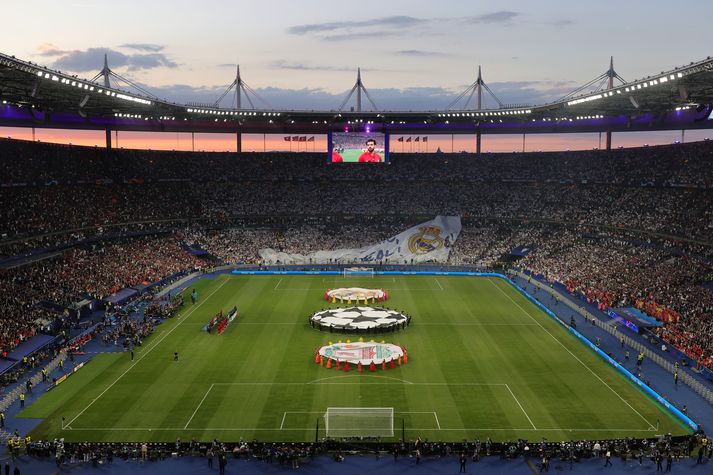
<point x="22" y="400"/>
<point x="44" y="374"/>
<point x="2" y="419"/>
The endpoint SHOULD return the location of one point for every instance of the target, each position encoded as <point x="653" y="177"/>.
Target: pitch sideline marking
<point x="437" y="422"/>
<point x="573" y="355"/>
<point x="199" y="406"/>
<point x="319" y="382"/>
<point x="143" y="355"/>
<point x="439" y="284"/>
<point x="522" y="408"/>
<point x="558" y="429"/>
<point x="278" y="284"/>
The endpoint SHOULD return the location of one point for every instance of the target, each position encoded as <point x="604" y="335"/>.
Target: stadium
<point x="513" y="310"/>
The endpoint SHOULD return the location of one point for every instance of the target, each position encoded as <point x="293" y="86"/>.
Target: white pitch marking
<point x="318" y="381"/>
<point x="199" y="406"/>
<point x="474" y="324"/>
<point x="143" y="355"/>
<point x="283" y="420"/>
<point x="556" y="429"/>
<point x="573" y="355"/>
<point x="439" y="284"/>
<point x="437" y="423"/>
<point x="522" y="408"/>
<point x="278" y="283"/>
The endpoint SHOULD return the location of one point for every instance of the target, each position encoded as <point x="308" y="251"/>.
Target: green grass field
<point x="483" y="361"/>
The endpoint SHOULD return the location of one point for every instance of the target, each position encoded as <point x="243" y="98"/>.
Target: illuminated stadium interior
<point x="189" y="280"/>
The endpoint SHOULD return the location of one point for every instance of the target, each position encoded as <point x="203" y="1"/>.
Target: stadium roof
<point x="35" y="96"/>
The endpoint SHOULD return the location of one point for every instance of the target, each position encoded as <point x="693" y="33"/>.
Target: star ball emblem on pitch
<point x="359" y="318"/>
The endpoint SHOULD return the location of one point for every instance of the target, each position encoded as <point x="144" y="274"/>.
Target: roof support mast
<point x="359" y="88"/>
<point x="475" y="89"/>
<point x="610" y="85"/>
<point x="479" y="104"/>
<point x="105" y="72"/>
<point x="241" y="88"/>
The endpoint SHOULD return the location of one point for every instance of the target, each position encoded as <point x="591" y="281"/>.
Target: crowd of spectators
<point x="81" y="192"/>
<point x="40" y="163"/>
<point x="614" y="272"/>
<point x="83" y="272"/>
<point x="653" y="451"/>
<point x="608" y="225"/>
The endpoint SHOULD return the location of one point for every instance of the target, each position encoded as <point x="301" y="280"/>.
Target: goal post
<point x="350" y="422"/>
<point x="358" y="271"/>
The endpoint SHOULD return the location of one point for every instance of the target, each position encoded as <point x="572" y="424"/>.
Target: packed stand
<point x="80" y="273"/>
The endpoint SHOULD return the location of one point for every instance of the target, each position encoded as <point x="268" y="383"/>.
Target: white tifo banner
<point x="427" y="242"/>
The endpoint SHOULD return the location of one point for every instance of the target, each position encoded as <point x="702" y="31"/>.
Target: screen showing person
<point x="358" y="147"/>
<point x="370" y="155"/>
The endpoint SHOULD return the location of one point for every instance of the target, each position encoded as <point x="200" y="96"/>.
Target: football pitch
<point x="482" y="361"/>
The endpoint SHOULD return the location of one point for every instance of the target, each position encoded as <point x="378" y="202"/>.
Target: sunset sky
<point x="304" y="55"/>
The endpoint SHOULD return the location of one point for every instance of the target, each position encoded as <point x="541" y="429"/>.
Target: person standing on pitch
<point x="194" y="296"/>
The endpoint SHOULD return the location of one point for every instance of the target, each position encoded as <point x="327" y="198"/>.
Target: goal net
<point x="359" y="271"/>
<point x="359" y="422"/>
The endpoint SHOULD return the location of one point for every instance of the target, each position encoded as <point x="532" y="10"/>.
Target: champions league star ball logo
<point x="427" y="239"/>
<point x="359" y="318"/>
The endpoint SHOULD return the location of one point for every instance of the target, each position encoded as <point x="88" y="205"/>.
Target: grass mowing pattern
<point x="483" y="361"/>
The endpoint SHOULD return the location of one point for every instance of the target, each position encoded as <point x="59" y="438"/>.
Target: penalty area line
<point x="199" y="406"/>
<point x="522" y="408"/>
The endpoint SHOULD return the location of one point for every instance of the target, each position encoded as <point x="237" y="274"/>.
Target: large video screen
<point x="358" y="147"/>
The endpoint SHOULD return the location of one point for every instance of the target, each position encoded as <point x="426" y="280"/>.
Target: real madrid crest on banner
<point x="427" y="239"/>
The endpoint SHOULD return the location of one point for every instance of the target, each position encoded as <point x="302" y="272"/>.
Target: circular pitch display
<point x="359" y="318"/>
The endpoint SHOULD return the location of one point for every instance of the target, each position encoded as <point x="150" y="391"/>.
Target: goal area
<point x="351" y="422"/>
<point x="358" y="271"/>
